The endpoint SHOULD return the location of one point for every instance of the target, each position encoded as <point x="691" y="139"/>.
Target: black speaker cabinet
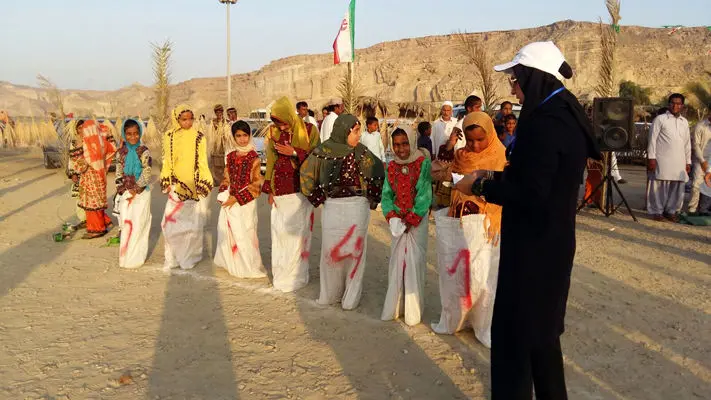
<point x="613" y="123"/>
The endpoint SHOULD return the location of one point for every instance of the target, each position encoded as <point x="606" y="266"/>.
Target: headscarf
<point x="538" y="85"/>
<point x="232" y="145"/>
<point x="492" y="158"/>
<point x="415" y="153"/>
<point x="132" y="163"/>
<point x="326" y="160"/>
<point x="283" y="110"/>
<point x="97" y="149"/>
<point x="175" y="117"/>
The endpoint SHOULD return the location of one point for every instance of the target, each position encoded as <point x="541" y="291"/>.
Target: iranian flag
<point x="343" y="46"/>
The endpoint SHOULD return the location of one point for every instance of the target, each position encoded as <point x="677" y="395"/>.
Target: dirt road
<point x="73" y="323"/>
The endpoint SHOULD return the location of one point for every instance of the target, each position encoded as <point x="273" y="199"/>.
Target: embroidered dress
<point x="92" y="161"/>
<point x="349" y="180"/>
<point x="407" y="196"/>
<point x="133" y="174"/>
<point x="291" y="216"/>
<point x="237" y="242"/>
<point x="186" y="178"/>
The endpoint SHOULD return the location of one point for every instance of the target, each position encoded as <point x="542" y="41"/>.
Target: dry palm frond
<point x="479" y="57"/>
<point x="348" y="89"/>
<point x="64" y="142"/>
<point x="153" y="140"/>
<point x="608" y="39"/>
<point x="699" y="96"/>
<point x="161" y="74"/>
<point x="55" y="95"/>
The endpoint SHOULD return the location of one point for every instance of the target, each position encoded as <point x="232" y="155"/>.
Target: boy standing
<point x="372" y="139"/>
<point x="424" y="141"/>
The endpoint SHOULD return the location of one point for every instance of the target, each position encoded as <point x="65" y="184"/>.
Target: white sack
<point x="406" y="275"/>
<point x="343" y="250"/>
<point x="237" y="248"/>
<point x="183" y="224"/>
<point x="292" y="224"/>
<point x="468" y="269"/>
<point x="135" y="223"/>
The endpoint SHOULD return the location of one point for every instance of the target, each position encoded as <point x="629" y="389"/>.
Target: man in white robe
<point x="700" y="141"/>
<point x="335" y="108"/>
<point x="442" y="127"/>
<point x="669" y="162"/>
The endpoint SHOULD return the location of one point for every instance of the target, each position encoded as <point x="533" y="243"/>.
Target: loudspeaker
<point x="613" y="123"/>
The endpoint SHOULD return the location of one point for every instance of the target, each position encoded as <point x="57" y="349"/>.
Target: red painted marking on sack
<point x="404" y="262"/>
<point x="464" y="256"/>
<point x="234" y="247"/>
<point x="171" y="216"/>
<point x="337" y="257"/>
<point x="124" y="246"/>
<point x="311" y="222"/>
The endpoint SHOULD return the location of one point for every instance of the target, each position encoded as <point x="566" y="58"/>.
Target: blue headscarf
<point x="132" y="164"/>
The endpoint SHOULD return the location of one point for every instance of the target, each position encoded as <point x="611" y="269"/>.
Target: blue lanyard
<point x="550" y="96"/>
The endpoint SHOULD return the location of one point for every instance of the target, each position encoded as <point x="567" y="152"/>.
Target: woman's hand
<point x="284" y="149"/>
<point x="229" y="202"/>
<point x="651" y="165"/>
<point x="271" y="200"/>
<point x="453" y="138"/>
<point x="465" y="184"/>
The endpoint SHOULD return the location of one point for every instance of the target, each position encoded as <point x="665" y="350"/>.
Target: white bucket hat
<point x="544" y="56"/>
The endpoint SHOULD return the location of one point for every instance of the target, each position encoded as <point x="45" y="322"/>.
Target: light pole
<point x="228" y="3"/>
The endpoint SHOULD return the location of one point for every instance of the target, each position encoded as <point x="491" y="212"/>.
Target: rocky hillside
<point x="427" y="69"/>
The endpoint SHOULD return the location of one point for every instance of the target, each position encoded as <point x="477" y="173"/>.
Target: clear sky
<point x="104" y="44"/>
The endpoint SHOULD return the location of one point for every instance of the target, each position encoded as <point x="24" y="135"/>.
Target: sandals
<point x="93" y="235"/>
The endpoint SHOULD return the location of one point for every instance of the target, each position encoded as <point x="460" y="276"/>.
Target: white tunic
<point x="702" y="136"/>
<point x="374" y="143"/>
<point x="670" y="145"/>
<point x="327" y="126"/>
<point x="461" y="142"/>
<point x="441" y="130"/>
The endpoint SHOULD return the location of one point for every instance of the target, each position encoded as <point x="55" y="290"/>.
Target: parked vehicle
<point x="259" y="133"/>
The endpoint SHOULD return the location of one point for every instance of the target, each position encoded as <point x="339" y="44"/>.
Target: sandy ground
<point x="72" y="323"/>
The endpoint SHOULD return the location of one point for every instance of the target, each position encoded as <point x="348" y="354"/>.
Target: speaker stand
<point x="610" y="208"/>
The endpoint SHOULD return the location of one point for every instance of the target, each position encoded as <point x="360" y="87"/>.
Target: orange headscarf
<point x="492" y="158"/>
<point x="98" y="149"/>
